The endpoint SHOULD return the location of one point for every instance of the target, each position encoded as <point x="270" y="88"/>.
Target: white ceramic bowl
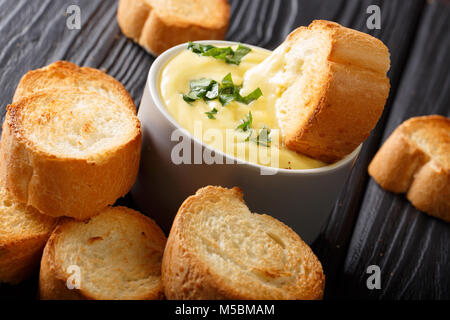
<point x="302" y="199"/>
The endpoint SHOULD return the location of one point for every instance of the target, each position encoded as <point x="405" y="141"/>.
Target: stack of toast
<point x="70" y="148"/>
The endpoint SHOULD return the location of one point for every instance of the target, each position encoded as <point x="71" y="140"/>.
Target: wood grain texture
<point x="400" y="20"/>
<point x="364" y="220"/>
<point x="411" y="248"/>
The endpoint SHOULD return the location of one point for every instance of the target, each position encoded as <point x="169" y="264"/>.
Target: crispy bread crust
<point x="20" y="253"/>
<point x="53" y="279"/>
<point x="67" y="75"/>
<point x="403" y="166"/>
<point x="349" y="97"/>
<point x="63" y="186"/>
<point x="20" y="257"/>
<point x="186" y="275"/>
<point x="158" y="31"/>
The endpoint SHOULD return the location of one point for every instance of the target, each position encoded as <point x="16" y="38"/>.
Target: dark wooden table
<point x="368" y="226"/>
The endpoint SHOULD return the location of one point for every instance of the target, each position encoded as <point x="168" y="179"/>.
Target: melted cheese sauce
<point x="221" y="133"/>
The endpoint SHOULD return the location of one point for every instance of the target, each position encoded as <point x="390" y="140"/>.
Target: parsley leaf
<point x="189" y="98"/>
<point x="213" y="92"/>
<point x="226" y="98"/>
<point x="199" y="48"/>
<point x="203" y="88"/>
<point x="226" y="91"/>
<point x="240" y="52"/>
<point x="263" y="137"/>
<point x="211" y="114"/>
<point x="255" y="94"/>
<point x="229" y="92"/>
<point x="227" y="81"/>
<point x="219" y="53"/>
<point x="227" y="54"/>
<point x="246" y="124"/>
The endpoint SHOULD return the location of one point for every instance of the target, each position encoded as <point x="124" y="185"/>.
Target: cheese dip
<point x="248" y="132"/>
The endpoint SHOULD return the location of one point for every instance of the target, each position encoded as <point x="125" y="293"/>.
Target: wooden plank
<point x="410" y="247"/>
<point x="398" y="28"/>
<point x="34" y="34"/>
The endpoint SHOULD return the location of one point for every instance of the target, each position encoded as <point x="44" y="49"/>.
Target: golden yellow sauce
<point x="221" y="133"/>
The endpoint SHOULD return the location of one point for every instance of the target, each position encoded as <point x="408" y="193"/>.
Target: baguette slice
<point x="218" y="249"/>
<point x="415" y="160"/>
<point x="329" y="86"/>
<point x="158" y="25"/>
<point x="69" y="152"/>
<point x="114" y="255"/>
<point x="23" y="234"/>
<point x="66" y="75"/>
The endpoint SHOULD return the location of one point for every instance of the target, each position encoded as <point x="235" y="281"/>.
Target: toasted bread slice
<point x="329" y="85"/>
<point x="23" y="234"/>
<point x="114" y="255"/>
<point x="66" y="75"/>
<point x="69" y="152"/>
<point x="158" y="25"/>
<point x="415" y="160"/>
<point x="218" y="249"/>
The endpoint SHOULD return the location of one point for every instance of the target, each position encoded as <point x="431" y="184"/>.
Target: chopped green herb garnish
<point x="199" y="48"/>
<point x="226" y="91"/>
<point x="227" y="82"/>
<point x="246" y="124"/>
<point x="240" y="52"/>
<point x="211" y="114"/>
<point x="213" y="91"/>
<point x="219" y="53"/>
<point x="255" y="94"/>
<point x="227" y="54"/>
<point x="206" y="89"/>
<point x="263" y="137"/>
<point x="229" y="92"/>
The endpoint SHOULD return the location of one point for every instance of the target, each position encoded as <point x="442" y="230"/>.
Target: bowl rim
<point x="153" y="80"/>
